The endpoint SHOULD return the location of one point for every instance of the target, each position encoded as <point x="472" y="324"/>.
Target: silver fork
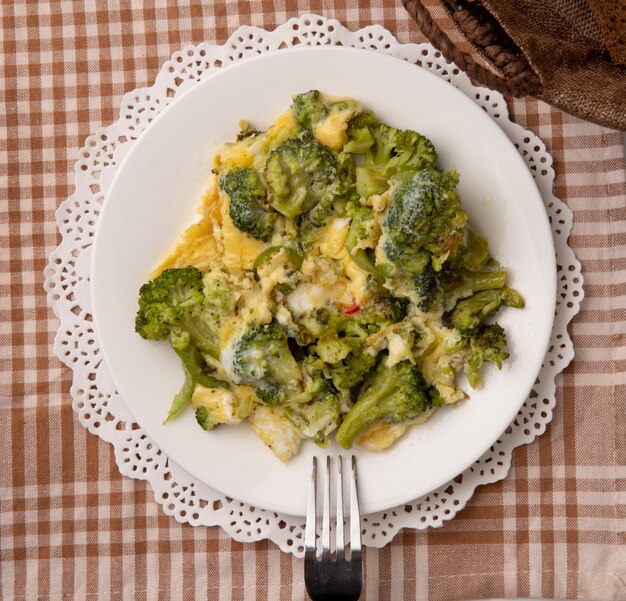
<point x="339" y="579"/>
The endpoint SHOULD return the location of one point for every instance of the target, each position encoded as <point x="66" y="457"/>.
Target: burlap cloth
<point x="72" y="528"/>
<point x="569" y="53"/>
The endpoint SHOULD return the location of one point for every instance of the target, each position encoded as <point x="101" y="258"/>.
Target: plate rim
<point x="277" y="507"/>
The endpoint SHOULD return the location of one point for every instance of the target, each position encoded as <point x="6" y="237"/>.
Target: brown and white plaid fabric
<point x="72" y="528"/>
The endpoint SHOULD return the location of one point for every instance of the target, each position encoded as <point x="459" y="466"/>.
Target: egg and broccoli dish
<point x="332" y="286"/>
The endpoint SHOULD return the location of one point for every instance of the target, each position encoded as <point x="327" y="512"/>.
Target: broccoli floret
<point x="204" y="419"/>
<point x="459" y="284"/>
<point x="270" y="393"/>
<point x="262" y="358"/>
<point x="364" y="230"/>
<point x="308" y="109"/>
<point x="220" y="298"/>
<point x="360" y="137"/>
<point x="383" y="308"/>
<point x="426" y="289"/>
<point x="474" y="254"/>
<point x="316" y="412"/>
<point x="301" y="173"/>
<point x="339" y="345"/>
<point x="487" y="343"/>
<point x="317" y="419"/>
<point x="174" y="304"/>
<point x="471" y="312"/>
<point x="348" y="373"/>
<point x="423" y="221"/>
<point x="248" y="202"/>
<point x="397" y="394"/>
<point x="435" y="398"/>
<point x="470" y="270"/>
<point x="387" y="151"/>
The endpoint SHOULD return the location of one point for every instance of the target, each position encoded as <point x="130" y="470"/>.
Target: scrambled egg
<point x="273" y="283"/>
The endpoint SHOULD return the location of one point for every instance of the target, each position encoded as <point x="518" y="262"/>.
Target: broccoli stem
<point x="183" y="397"/>
<point x="485" y="280"/>
<point x="367" y="409"/>
<point x="266" y="256"/>
<point x="476" y="251"/>
<point x="192" y="364"/>
<point x="201" y="336"/>
<point x="472" y="311"/>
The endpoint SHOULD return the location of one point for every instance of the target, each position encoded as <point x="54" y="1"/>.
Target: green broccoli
<point x="426" y="289"/>
<point x="460" y="284"/>
<point x="387" y="151"/>
<point x="308" y="108"/>
<point x="173" y="305"/>
<point x="340" y="347"/>
<point x="301" y="173"/>
<point x="363" y="228"/>
<point x="248" y="202"/>
<point x="197" y="368"/>
<point x="342" y="189"/>
<point x="487" y="343"/>
<point x="204" y="419"/>
<point x="316" y="412"/>
<point x="383" y="308"/>
<point x="474" y="254"/>
<point x="396" y="394"/>
<point x="317" y="419"/>
<point x="359" y="132"/>
<point x="219" y="298"/>
<point x="423" y="221"/>
<point x="471" y="312"/>
<point x="348" y="373"/>
<point x="262" y="358"/>
<point x="470" y="270"/>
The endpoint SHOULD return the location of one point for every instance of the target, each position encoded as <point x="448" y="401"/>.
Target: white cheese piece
<point x="399" y="349"/>
<point x="306" y="297"/>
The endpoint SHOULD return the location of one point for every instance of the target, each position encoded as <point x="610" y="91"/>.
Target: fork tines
<point x="327" y="578"/>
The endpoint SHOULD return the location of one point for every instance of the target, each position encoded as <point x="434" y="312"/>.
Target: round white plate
<point x="153" y="198"/>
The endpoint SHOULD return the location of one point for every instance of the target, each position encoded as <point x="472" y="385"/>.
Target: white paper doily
<point x="102" y="411"/>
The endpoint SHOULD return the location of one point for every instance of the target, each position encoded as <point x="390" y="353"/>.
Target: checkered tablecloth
<point x="72" y="528"/>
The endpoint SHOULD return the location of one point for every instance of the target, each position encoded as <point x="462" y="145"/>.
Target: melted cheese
<point x="239" y="251"/>
<point x="219" y="402"/>
<point x="334" y="237"/>
<point x="276" y="431"/>
<point x="358" y="280"/>
<point x="331" y="131"/>
<point x="381" y="435"/>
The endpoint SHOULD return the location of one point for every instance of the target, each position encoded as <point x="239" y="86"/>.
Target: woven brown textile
<point x="611" y="16"/>
<point x="554" y="51"/>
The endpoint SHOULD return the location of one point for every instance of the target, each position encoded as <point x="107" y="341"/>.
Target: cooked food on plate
<point x="332" y="286"/>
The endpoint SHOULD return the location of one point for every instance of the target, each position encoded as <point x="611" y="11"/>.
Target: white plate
<point x="153" y="198"/>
